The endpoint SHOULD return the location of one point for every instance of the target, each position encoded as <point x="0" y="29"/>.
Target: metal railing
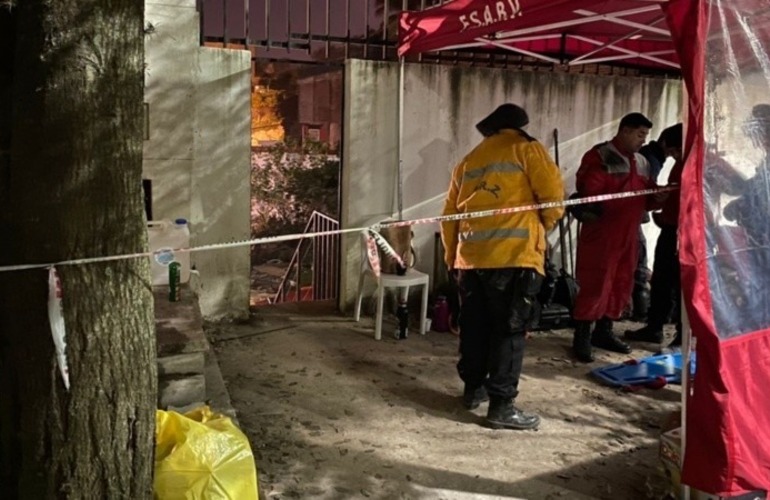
<point x="330" y="31"/>
<point x="313" y="272"/>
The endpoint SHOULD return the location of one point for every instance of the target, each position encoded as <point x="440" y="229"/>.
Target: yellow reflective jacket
<point x="506" y="170"/>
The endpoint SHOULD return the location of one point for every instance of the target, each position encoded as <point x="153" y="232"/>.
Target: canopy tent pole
<point x="400" y="188"/>
<point x="686" y="358"/>
<point x="686" y="331"/>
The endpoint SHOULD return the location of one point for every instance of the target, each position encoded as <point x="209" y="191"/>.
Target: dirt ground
<point x="331" y="413"/>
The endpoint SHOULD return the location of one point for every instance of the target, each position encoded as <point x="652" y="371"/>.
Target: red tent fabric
<point x="589" y="31"/>
<point x="723" y="48"/>
<point x="728" y="420"/>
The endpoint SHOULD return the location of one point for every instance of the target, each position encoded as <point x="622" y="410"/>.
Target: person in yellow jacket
<point x="498" y="260"/>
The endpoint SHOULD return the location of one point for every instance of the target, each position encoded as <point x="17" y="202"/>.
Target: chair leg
<point x="357" y="315"/>
<point x="424" y="308"/>
<point x="380" y="304"/>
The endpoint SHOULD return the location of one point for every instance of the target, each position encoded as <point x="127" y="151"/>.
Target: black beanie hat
<point x="672" y="136"/>
<point x="505" y="116"/>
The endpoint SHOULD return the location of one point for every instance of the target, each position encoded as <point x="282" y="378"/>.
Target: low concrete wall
<point x="442" y="104"/>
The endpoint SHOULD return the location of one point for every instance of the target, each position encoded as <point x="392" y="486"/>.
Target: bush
<point x="289" y="182"/>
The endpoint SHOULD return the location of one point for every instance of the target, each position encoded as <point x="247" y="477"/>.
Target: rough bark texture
<point x="71" y="187"/>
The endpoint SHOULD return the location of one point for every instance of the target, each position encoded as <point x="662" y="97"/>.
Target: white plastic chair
<point x="411" y="278"/>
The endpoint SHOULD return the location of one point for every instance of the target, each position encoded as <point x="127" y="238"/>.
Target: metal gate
<point x="313" y="272"/>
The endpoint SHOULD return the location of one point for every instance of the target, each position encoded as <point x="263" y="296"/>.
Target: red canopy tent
<point x="555" y="31"/>
<point x="721" y="47"/>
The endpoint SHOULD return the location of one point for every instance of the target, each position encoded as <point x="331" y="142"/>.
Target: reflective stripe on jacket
<point x="505" y="170"/>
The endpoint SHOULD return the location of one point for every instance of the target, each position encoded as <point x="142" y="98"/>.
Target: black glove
<point x="585" y="212"/>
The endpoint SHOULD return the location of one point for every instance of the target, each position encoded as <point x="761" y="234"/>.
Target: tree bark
<point x="70" y="187"/>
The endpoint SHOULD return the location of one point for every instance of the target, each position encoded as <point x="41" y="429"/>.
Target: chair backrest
<point x="369" y="245"/>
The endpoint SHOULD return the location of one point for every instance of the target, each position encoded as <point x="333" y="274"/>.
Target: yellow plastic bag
<point x="202" y="455"/>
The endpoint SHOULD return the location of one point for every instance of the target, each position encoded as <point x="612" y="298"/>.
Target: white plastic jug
<point x="164" y="236"/>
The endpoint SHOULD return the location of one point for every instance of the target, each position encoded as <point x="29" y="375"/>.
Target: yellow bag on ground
<point x="202" y="455"/>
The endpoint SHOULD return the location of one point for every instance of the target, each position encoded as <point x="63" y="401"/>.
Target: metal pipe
<point x="562" y="244"/>
<point x="201" y="4"/>
<point x="267" y="23"/>
<point x="288" y="26"/>
<point x="385" y="15"/>
<point x="686" y="355"/>
<point x="366" y="29"/>
<point x="246" y="22"/>
<point x="400" y="192"/>
<point x="224" y="24"/>
<point x="307" y="25"/>
<point x="347" y="26"/>
<point x="328" y="29"/>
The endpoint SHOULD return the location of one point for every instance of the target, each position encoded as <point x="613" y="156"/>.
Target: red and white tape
<point x="373" y="228"/>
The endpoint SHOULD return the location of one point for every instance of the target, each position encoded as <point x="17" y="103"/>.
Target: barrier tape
<point x="372" y="229"/>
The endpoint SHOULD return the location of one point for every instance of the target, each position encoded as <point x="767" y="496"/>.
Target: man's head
<point x="632" y="132"/>
<point x="505" y="116"/>
<point x="757" y="127"/>
<point x="671" y="141"/>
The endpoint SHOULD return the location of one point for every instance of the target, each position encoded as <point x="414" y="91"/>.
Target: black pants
<point x="497" y="307"/>
<point x="665" y="292"/>
<point x="642" y="271"/>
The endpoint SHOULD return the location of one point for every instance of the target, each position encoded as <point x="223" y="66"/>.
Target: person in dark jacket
<point x="669" y="144"/>
<point x="665" y="293"/>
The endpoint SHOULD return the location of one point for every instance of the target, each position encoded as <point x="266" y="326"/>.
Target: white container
<point x="165" y="236"/>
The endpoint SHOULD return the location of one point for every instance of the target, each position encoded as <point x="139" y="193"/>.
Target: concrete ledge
<point x="182" y="345"/>
<point x="181" y="364"/>
<point x="179" y="325"/>
<point x="217" y="396"/>
<point x="182" y="391"/>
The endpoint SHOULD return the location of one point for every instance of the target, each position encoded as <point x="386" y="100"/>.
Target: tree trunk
<point x="70" y="188"/>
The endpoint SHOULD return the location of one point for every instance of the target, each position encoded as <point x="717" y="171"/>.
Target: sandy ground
<point x="331" y="413"/>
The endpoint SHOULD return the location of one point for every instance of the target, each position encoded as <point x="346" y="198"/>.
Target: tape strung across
<point x="373" y="228"/>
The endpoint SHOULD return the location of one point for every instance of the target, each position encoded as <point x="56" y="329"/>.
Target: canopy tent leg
<point x="400" y="188"/>
<point x="686" y="357"/>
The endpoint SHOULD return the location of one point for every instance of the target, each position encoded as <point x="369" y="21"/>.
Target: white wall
<point x="442" y="105"/>
<point x="198" y="150"/>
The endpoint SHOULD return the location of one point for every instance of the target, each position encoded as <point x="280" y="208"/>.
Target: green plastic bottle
<point x="174" y="281"/>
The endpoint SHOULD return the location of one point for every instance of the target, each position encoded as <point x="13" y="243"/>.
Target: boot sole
<point x="612" y="349"/>
<point x="505" y="425"/>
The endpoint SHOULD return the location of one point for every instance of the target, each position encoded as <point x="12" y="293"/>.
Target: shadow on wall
<point x="220" y="183"/>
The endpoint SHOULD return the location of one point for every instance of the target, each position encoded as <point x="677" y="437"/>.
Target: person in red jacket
<point x="607" y="245"/>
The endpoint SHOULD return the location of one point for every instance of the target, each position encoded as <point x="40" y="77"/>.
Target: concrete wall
<point x="197" y="155"/>
<point x="442" y="104"/>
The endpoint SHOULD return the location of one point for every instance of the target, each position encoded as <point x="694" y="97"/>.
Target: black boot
<point x="581" y="342"/>
<point x="645" y="334"/>
<point x="472" y="398"/>
<point x="604" y="338"/>
<point x="503" y="415"/>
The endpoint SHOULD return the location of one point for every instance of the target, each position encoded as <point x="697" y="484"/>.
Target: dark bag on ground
<point x="556" y="299"/>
